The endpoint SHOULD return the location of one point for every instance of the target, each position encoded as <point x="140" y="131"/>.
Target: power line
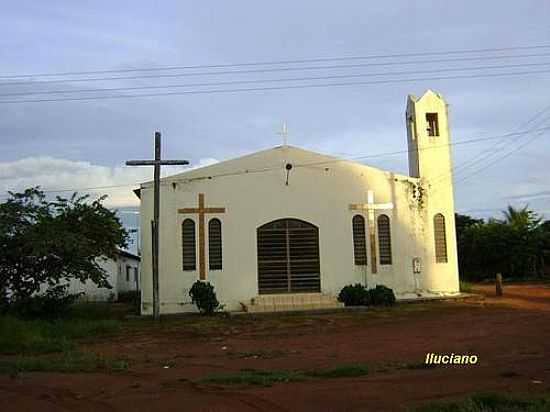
<point x="324" y="162"/>
<point x="484" y="156"/>
<point x="398" y="152"/>
<point x="494" y="153"/>
<point x="292" y="79"/>
<point x="529" y="196"/>
<point x="270" y="70"/>
<point x="275" y="62"/>
<point x="85" y="188"/>
<point x="79" y="189"/>
<point x="272" y="88"/>
<point x="361" y="157"/>
<point x="498" y="159"/>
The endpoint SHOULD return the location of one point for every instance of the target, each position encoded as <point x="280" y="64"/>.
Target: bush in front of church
<point x="358" y="295"/>
<point x="203" y="295"/>
<point x="354" y="295"/>
<point x="382" y="295"/>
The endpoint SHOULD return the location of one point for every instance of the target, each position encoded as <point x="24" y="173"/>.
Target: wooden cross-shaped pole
<point x="157" y="162"/>
<point x="370" y="207"/>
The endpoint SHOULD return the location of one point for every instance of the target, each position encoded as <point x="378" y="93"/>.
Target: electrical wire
<point x="489" y="153"/>
<point x="276" y="62"/>
<point x="292" y="79"/>
<point x="269" y="70"/>
<point x="273" y="88"/>
<point x="324" y="162"/>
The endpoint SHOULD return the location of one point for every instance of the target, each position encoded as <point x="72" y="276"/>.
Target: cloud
<point x="53" y="174"/>
<point x="351" y="121"/>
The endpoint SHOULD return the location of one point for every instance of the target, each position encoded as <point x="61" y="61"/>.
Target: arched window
<point x="215" y="244"/>
<point x="384" y="240"/>
<point x="288" y="257"/>
<point x="188" y="245"/>
<point x="359" y="240"/>
<point x="440" y="239"/>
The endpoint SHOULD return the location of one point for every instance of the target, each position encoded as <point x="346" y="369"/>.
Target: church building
<point x="287" y="228"/>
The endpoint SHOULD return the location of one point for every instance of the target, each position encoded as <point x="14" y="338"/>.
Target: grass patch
<point x="99" y="311"/>
<point x="20" y="336"/>
<point x="343" y="371"/>
<point x="267" y="377"/>
<point x="491" y="402"/>
<point x="260" y="354"/>
<point x="466" y="287"/>
<point x="254" y="377"/>
<point x="70" y="361"/>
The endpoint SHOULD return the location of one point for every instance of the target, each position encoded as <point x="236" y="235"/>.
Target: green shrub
<point x="354" y="295"/>
<point x="358" y="295"/>
<point x="466" y="287"/>
<point x="53" y="303"/>
<point x="382" y="295"/>
<point x="203" y="295"/>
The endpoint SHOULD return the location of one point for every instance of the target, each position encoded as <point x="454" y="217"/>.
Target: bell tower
<point x="430" y="162"/>
<point x="428" y="138"/>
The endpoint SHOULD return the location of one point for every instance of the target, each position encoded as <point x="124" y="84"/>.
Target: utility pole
<point x="157" y="162"/>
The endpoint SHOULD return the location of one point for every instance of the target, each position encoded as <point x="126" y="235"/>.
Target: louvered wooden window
<point x="440" y="239"/>
<point x="215" y="244"/>
<point x="188" y="245"/>
<point x="288" y="257"/>
<point x="359" y="240"/>
<point x="384" y="240"/>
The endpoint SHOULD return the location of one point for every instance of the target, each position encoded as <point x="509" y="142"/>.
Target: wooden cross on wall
<point x="370" y="207"/>
<point x="201" y="211"/>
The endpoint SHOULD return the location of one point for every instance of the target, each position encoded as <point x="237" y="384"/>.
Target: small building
<point x="122" y="275"/>
<point x="287" y="228"/>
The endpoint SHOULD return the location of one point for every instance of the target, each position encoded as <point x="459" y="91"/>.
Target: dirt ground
<point x="511" y="336"/>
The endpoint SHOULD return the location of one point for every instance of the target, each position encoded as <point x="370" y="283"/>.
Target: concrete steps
<point x="291" y="302"/>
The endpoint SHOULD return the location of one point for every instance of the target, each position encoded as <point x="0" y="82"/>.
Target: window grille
<point x="288" y="257"/>
<point x="215" y="244"/>
<point x="440" y="239"/>
<point x="188" y="245"/>
<point x="359" y="240"/>
<point x="384" y="240"/>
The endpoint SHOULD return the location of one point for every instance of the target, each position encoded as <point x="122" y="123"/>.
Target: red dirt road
<point x="510" y="335"/>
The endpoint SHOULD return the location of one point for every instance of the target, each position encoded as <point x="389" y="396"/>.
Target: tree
<point x="464" y="240"/>
<point x="51" y="242"/>
<point x="514" y="246"/>
<point x="521" y="218"/>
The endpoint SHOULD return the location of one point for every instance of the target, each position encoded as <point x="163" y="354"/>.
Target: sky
<point x="84" y="144"/>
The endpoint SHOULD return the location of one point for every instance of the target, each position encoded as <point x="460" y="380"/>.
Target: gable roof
<point x="265" y="160"/>
<point x="127" y="254"/>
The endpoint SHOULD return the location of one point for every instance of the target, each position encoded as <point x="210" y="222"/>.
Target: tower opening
<point x="433" y="124"/>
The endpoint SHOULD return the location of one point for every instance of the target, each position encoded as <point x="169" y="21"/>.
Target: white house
<point x="122" y="275"/>
<point x="287" y="228"/>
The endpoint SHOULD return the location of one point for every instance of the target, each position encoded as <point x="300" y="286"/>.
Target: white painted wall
<point x="320" y="190"/>
<point x="116" y="275"/>
<point x="128" y="278"/>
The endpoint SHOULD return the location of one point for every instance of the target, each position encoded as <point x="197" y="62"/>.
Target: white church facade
<point x="287" y="228"/>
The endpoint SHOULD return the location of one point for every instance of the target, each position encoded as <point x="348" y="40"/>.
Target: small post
<point x="499" y="284"/>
